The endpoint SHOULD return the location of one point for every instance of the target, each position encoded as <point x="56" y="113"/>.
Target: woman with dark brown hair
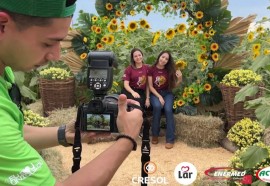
<point x="162" y="78"/>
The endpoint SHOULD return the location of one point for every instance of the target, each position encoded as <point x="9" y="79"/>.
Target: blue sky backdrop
<point x="238" y="8"/>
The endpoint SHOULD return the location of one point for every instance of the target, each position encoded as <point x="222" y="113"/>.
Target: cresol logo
<point x="264" y="174"/>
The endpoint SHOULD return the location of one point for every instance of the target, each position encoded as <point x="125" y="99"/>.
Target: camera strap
<point x="77" y="146"/>
<point x="145" y="149"/>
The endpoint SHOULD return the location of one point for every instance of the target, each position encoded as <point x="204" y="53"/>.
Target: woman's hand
<point x="160" y="98"/>
<point x="147" y="102"/>
<point x="178" y="75"/>
<point x="135" y="94"/>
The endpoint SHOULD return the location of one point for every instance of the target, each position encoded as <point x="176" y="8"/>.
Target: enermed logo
<point x="150" y="168"/>
<point x="264" y="174"/>
<point x="185" y="173"/>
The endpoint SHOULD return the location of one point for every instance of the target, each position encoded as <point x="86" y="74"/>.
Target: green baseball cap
<point x="40" y="8"/>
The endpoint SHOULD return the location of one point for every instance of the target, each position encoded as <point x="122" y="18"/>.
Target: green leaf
<point x="27" y="92"/>
<point x="259" y="183"/>
<point x="253" y="155"/>
<point x="247" y="91"/>
<point x="227" y="42"/>
<point x="260" y="62"/>
<point x="263" y="114"/>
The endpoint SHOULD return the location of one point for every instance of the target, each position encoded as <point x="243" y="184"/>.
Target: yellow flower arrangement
<point x="54" y="73"/>
<point x="245" y="133"/>
<point x="241" y="77"/>
<point x="34" y="119"/>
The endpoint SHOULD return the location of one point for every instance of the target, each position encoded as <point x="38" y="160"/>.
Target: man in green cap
<point x="30" y="35"/>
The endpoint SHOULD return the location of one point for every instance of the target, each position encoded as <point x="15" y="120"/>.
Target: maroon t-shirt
<point x="137" y="77"/>
<point x="159" y="78"/>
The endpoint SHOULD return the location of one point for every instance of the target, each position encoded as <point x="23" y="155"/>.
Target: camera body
<point x="100" y="113"/>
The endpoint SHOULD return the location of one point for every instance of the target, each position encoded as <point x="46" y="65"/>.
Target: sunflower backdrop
<point x="201" y="43"/>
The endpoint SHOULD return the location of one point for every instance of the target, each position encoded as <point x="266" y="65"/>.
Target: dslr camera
<point x="100" y="113"/>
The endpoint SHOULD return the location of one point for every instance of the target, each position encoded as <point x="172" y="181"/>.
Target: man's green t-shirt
<point x="20" y="163"/>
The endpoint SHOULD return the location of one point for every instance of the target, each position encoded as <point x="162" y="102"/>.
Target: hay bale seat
<point x="200" y="130"/>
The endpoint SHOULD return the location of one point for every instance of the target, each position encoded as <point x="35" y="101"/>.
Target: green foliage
<point x="247" y="91"/>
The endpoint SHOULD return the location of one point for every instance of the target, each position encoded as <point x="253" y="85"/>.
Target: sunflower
<point x="109" y="6"/>
<point x="256" y="47"/>
<point x="122" y="27"/>
<point x="208" y="23"/>
<point x="181" y="64"/>
<point x="174" y="6"/>
<point x="183" y="15"/>
<point x="184" y="95"/>
<point x="112" y="28"/>
<point x="212" y="32"/>
<point x="202" y="57"/>
<point x="214" y="47"/>
<point x="259" y="29"/>
<point x="122" y="5"/>
<point x="181" y="28"/>
<point x="156" y="37"/>
<point x="93" y="28"/>
<point x="110" y="39"/>
<point x="113" y="21"/>
<point x="211" y="75"/>
<point x="196" y="100"/>
<point x="196" y="1"/>
<point x="250" y="36"/>
<point x="191" y="91"/>
<point x="104" y="18"/>
<point x="132" y="13"/>
<point x="206" y="35"/>
<point x="99" y="46"/>
<point x="104" y="39"/>
<point x="205" y="63"/>
<point x="147" y="26"/>
<point x="180" y="102"/>
<point x="215" y="57"/>
<point x="118" y="13"/>
<point x="132" y="26"/>
<point x="199" y="27"/>
<point x="94" y="18"/>
<point x="256" y="54"/>
<point x="83" y="55"/>
<point x="207" y="87"/>
<point x="203" y="47"/>
<point x="143" y="23"/>
<point x="170" y="33"/>
<point x="148" y="7"/>
<point x="266" y="51"/>
<point x="183" y="5"/>
<point x="98" y="30"/>
<point x="199" y="15"/>
<point x="194" y="32"/>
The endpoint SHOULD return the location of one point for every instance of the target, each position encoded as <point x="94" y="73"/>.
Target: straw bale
<point x="36" y="107"/>
<point x="54" y="159"/>
<point x="200" y="130"/>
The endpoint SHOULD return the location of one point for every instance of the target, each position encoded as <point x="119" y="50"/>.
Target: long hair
<point x="132" y="62"/>
<point x="170" y="67"/>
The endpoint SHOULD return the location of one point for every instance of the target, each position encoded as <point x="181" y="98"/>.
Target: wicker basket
<point x="236" y="112"/>
<point x="56" y="94"/>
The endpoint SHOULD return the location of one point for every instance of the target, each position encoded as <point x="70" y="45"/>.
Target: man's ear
<point x="4" y="18"/>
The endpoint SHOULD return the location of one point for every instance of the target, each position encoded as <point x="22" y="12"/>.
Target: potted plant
<point x="229" y="86"/>
<point x="56" y="87"/>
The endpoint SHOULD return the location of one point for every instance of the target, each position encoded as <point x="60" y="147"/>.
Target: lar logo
<point x="185" y="173"/>
<point x="264" y="174"/>
<point x="150" y="167"/>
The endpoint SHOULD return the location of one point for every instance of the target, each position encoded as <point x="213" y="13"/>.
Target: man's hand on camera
<point x="86" y="137"/>
<point x="128" y="122"/>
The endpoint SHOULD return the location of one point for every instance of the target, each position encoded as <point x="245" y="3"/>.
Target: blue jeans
<point x="168" y="109"/>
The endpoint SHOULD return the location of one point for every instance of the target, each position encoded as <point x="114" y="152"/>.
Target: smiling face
<point x="32" y="47"/>
<point x="138" y="58"/>
<point x="163" y="60"/>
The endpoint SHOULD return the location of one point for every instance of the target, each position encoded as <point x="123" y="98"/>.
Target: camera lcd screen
<point x="98" y="122"/>
<point x="98" y="73"/>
